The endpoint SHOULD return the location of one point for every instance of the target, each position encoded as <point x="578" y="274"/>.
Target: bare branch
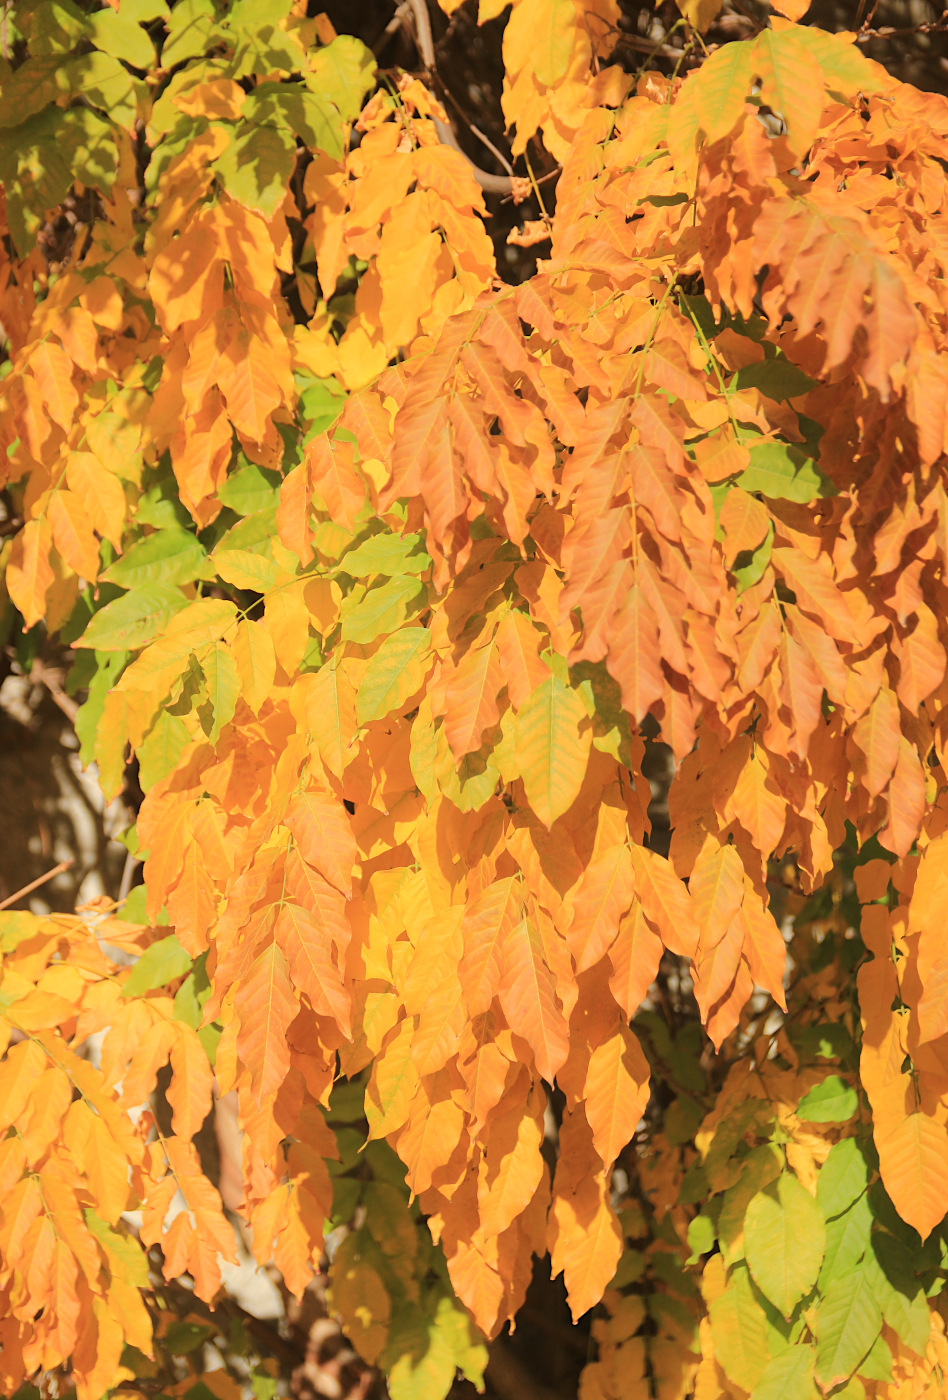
<point x="421" y="21"/>
<point x="35" y="884"/>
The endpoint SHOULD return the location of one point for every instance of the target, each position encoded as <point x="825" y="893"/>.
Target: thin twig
<point x="35" y="884"/>
<point x="491" y="184"/>
<point x="42" y="675"/>
<point x="501" y="158"/>
<point x="128" y="872"/>
<point x="886" y="31"/>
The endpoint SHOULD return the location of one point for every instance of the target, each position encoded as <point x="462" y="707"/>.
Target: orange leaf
<point x="603" y="897"/>
<point x="52" y="369"/>
<point x="913" y="1161"/>
<point x="528" y="996"/>
<point x="471" y="698"/>
<point x="485" y="927"/>
<point x="308" y="946"/>
<point x="335" y="478"/>
<point x="249" y="386"/>
<point x="906" y="801"/>
<point x="429" y="1139"/>
<point x="878" y="736"/>
<point x="615" y="1092"/>
<point x="635" y="956"/>
<point x="189" y="1092"/>
<point x="764" y="946"/>
<point x="922" y="661"/>
<point x="760" y="810"/>
<point x="512" y="1162"/>
<point x="73" y="534"/>
<point x="634" y="658"/>
<point x="293" y="523"/>
<point x="585" y="1238"/>
<point x="266" y="1005"/>
<point x="745" y="522"/>
<point x="666" y="901"/>
<point x="29" y="573"/>
<point x="320" y="824"/>
<point x="717" y="889"/>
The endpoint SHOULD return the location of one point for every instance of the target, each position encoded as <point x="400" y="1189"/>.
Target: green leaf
<point x="381" y="610"/>
<point x="250" y="488"/>
<point x="701" y="1236"/>
<point x="739" y="1331"/>
<point x="826" y="1042"/>
<point x="843" y="1178"/>
<point x="192" y="30"/>
<point x="170" y="556"/>
<point x="41" y="159"/>
<point x="181" y="1338"/>
<point x="778" y="379"/>
<point x="844" y="67"/>
<point x="292" y="108"/>
<point x="758" y="1169"/>
<point x="889" y="1269"/>
<point x="788" y="1376"/>
<point x="51" y="26"/>
<point x="847" y="1239"/>
<point x="751" y="572"/>
<point x="468" y="784"/>
<point x="223" y="690"/>
<point x="424" y="1364"/>
<point x="160" y="964"/>
<point x="135" y="908"/>
<point x="126" y="1252"/>
<point x="260" y="45"/>
<point x="109" y="666"/>
<point x="781" y="471"/>
<point x="119" y="33"/>
<point x="164" y="744"/>
<point x="393" y="674"/>
<point x="848" y="1322"/>
<point x="135" y="619"/>
<point x="877" y="1365"/>
<point x="255" y="532"/>
<point x="28" y="89"/>
<point x="423" y="752"/>
<point x="104" y="83"/>
<point x="245" y="568"/>
<point x="256" y="166"/>
<point x="161" y="507"/>
<point x="192" y="994"/>
<point x="784" y="1241"/>
<point x="386" y="554"/>
<point x="320" y="404"/>
<point x="832" y="1101"/>
<point x="343" y="72"/>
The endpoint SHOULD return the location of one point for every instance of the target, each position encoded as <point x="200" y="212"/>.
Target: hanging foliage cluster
<point x="389" y="576"/>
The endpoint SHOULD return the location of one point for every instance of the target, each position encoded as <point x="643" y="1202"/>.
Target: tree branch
<point x="421" y="23"/>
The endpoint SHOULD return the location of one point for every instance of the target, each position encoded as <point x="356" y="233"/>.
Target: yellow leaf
<point x="393" y="1082"/>
<point x="286" y="619"/>
<point x="699" y="13"/>
<point x="29" y="573"/>
<point x="256" y="662"/>
<point x="406" y="268"/>
<point x="553" y="737"/>
<point x="791" y="82"/>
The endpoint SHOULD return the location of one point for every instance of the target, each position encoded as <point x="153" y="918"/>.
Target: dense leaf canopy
<point x="396" y="582"/>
